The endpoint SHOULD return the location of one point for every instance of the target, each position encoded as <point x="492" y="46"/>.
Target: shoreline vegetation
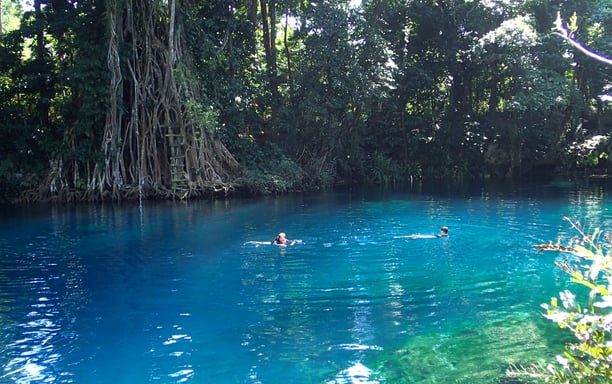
<point x="161" y="100"/>
<point x="229" y="190"/>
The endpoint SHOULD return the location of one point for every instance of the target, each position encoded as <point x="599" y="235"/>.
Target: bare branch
<point x="562" y="32"/>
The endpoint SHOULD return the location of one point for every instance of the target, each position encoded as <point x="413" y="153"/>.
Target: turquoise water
<point x="169" y="293"/>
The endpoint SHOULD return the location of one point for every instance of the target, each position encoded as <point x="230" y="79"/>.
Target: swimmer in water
<point x="443" y="233"/>
<point x="281" y="239"/>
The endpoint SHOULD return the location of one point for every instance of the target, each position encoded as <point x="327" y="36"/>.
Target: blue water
<point x="169" y="293"/>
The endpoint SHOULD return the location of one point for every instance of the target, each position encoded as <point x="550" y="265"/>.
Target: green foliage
<point x="592" y="151"/>
<point x="329" y="95"/>
<point x="384" y="170"/>
<point x="53" y="91"/>
<point x="8" y="179"/>
<point x="11" y="11"/>
<point x="589" y="317"/>
<point x="587" y="314"/>
<point x="202" y="116"/>
<point x="268" y="169"/>
<point x="283" y="176"/>
<point x="573" y="24"/>
<point x="380" y="91"/>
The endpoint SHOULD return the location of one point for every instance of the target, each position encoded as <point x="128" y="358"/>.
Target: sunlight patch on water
<point x="357" y="347"/>
<point x="176" y="338"/>
<point x="355" y="374"/>
<point x="28" y="373"/>
<point x="183" y="375"/>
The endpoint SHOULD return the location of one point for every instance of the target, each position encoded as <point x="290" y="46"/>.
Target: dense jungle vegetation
<point x="118" y="99"/>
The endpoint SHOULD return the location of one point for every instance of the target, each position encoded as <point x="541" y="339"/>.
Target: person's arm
<point x="258" y="242"/>
<point x="416" y="236"/>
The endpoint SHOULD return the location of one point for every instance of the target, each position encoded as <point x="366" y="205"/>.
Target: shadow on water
<point x="489" y="188"/>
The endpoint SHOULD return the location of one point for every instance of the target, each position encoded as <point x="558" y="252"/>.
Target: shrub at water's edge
<point x="587" y="315"/>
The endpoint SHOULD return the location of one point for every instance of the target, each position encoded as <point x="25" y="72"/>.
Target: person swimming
<point x="281" y="239"/>
<point x="443" y="233"/>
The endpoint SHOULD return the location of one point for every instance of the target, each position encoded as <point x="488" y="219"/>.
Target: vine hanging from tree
<point x="158" y="139"/>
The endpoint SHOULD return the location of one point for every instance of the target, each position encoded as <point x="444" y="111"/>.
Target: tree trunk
<point x="149" y="134"/>
<point x="268" y="16"/>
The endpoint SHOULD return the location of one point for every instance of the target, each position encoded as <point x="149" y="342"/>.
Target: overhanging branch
<point x="562" y="32"/>
<point x="582" y="49"/>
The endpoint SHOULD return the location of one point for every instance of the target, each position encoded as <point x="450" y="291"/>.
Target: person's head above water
<point x="281" y="238"/>
<point x="444" y="231"/>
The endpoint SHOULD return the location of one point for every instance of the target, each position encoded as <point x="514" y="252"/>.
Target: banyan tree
<point x="158" y="139"/>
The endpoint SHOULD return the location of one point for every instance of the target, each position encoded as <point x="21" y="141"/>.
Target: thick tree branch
<point x="561" y="31"/>
<point x="583" y="49"/>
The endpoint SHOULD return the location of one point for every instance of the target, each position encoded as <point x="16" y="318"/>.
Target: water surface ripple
<point x="169" y="293"/>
